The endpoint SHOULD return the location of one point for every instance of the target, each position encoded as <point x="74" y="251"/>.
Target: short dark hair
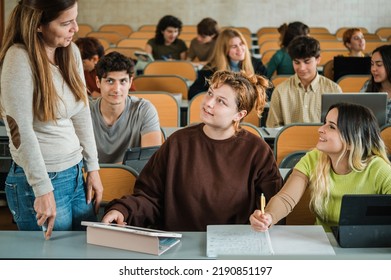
<point x="90" y="46"/>
<point x="163" y="24"/>
<point x="293" y="30"/>
<point x="304" y="47"/>
<point x="113" y="62"/>
<point x="208" y="26"/>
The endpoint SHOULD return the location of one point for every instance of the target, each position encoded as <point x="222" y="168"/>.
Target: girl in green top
<point x="350" y="158"/>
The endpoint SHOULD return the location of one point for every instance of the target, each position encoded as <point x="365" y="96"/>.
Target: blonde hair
<point x="360" y="135"/>
<point x="250" y="90"/>
<point x="219" y="58"/>
<point x="22" y="28"/>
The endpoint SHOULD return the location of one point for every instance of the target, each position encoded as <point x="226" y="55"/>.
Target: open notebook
<point x="131" y="238"/>
<point x="242" y="240"/>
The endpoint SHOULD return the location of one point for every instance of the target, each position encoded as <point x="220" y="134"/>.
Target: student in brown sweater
<point x="210" y="173"/>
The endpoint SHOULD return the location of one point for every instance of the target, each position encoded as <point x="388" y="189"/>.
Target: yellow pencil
<point x="263" y="202"/>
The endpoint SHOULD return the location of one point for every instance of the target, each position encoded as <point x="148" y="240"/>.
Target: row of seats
<point x="383" y="32"/>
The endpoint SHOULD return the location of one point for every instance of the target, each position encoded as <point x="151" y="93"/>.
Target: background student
<point x="91" y="51"/>
<point x="210" y="173"/>
<point x="281" y="62"/>
<point x="349" y="158"/>
<point x="230" y="53"/>
<point x="45" y="109"/>
<point x="297" y="100"/>
<point x="121" y="121"/>
<point x="166" y="45"/>
<point x="381" y="75"/>
<point x="202" y="46"/>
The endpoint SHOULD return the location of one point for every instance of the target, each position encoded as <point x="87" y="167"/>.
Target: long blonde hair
<point x="219" y="59"/>
<point x="360" y="135"/>
<point x="22" y="28"/>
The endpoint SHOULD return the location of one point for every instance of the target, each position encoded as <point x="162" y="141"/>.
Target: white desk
<point x="73" y="245"/>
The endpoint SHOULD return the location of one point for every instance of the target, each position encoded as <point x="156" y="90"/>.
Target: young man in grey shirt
<point x="121" y="121"/>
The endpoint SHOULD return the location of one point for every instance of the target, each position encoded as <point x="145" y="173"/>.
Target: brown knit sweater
<point x="193" y="181"/>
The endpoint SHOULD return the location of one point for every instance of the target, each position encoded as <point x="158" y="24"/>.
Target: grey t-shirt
<point x="138" y="118"/>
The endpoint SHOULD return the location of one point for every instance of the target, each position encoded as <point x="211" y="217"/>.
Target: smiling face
<point x="59" y="32"/>
<point x="377" y="68"/>
<point x="236" y="49"/>
<point x="219" y="109"/>
<point x="114" y="87"/>
<point x="306" y="68"/>
<point x="329" y="135"/>
<point x="170" y="34"/>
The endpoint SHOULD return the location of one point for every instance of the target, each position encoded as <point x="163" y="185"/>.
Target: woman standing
<point x="45" y="108"/>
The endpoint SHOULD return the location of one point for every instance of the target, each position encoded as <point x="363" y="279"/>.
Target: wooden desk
<point x="73" y="245"/>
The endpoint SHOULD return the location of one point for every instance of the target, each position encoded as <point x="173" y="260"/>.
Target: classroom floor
<point x="6" y="222"/>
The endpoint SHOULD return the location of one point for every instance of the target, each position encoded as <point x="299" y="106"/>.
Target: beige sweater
<point x="44" y="146"/>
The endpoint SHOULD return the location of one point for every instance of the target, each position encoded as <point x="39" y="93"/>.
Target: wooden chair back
<point x="117" y="180"/>
<point x="128" y="51"/>
<point x="269" y="45"/>
<point x="323" y="36"/>
<point x="181" y="68"/>
<point x="383" y="32"/>
<point x="168" y="83"/>
<point x="193" y="110"/>
<point x="133" y="43"/>
<point x="268" y="37"/>
<point x="385" y="133"/>
<point x="319" y="30"/>
<point x="251" y="128"/>
<point x="84" y="29"/>
<point x="147" y="27"/>
<point x="278" y="79"/>
<point x="112" y="37"/>
<point x="352" y="83"/>
<point x="167" y="106"/>
<point x="267" y="55"/>
<point x="142" y="35"/>
<point x="189" y="29"/>
<point x="295" y="137"/>
<point x="269" y="29"/>
<point x="122" y="29"/>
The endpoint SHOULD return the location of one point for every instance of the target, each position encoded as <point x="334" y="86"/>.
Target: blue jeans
<point x="69" y="194"/>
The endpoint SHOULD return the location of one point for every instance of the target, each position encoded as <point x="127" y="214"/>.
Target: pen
<point x="44" y="228"/>
<point x="265" y="130"/>
<point x="263" y="202"/>
<point x="267" y="235"/>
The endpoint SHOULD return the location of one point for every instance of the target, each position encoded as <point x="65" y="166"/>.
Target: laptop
<point x="347" y="65"/>
<point x="365" y="221"/>
<point x="376" y="101"/>
<point x="138" y="157"/>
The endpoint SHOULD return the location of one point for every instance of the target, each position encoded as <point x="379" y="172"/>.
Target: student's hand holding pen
<point x="260" y="221"/>
<point x="45" y="207"/>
